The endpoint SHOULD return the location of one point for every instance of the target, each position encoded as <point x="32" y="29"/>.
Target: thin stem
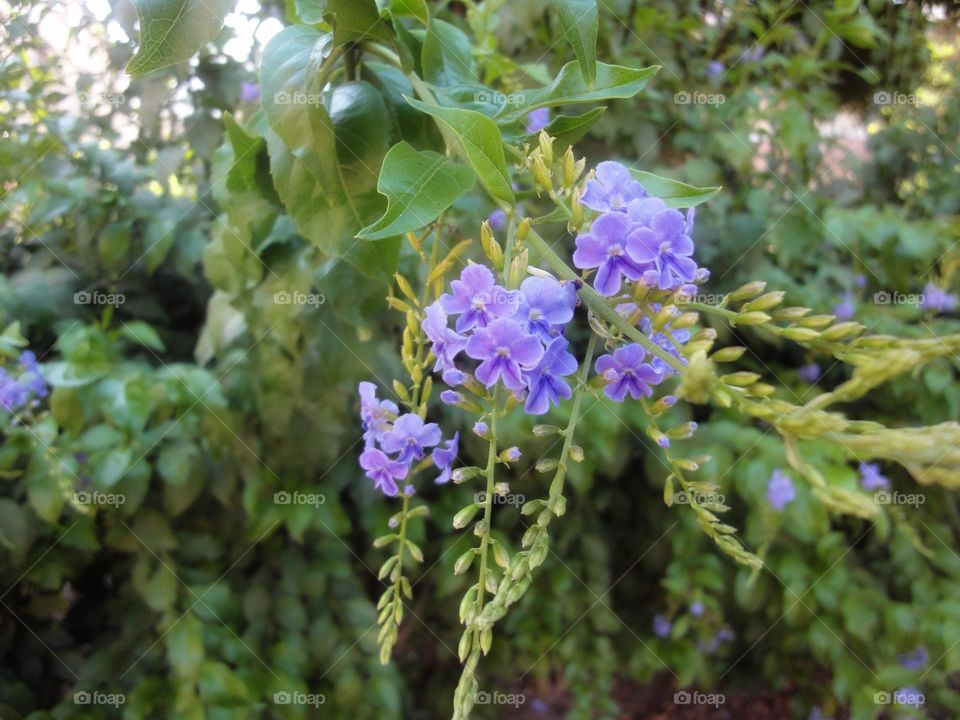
<point x="490" y="473"/>
<point x="704" y="307"/>
<point x="556" y="486"/>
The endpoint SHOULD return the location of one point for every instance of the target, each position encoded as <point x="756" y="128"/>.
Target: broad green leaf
<point x="16" y="529"/>
<point x="171" y="31"/>
<point x="569" y="87"/>
<point x="446" y="55"/>
<point x="185" y="648"/>
<point x="43" y="488"/>
<point x="176" y="462"/>
<point x="578" y="22"/>
<point x="361" y="126"/>
<point x="310" y="12"/>
<point x="418" y="187"/>
<point x="356" y="21"/>
<point x="242" y="175"/>
<point x="407" y="8"/>
<point x="673" y="192"/>
<point x="567" y="129"/>
<point x="481" y="145"/>
<point x="140" y="332"/>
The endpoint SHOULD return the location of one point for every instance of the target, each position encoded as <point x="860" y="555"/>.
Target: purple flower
<point x="661" y="626"/>
<point x="13" y="394"/>
<point x="715" y="68"/>
<point x="809" y="373"/>
<point x="249" y="92"/>
<point x="382" y="470"/>
<point x="662" y="243"/>
<point x="780" y="490"/>
<point x="625" y="372"/>
<point x="375" y="415"/>
<point x="443" y="458"/>
<point x="668" y="340"/>
<point x="545" y="304"/>
<point x="871" y="478"/>
<point x="537" y="120"/>
<point x="505" y="351"/>
<point x="451" y="397"/>
<point x="937" y="300"/>
<point x="544" y="381"/>
<point x="860" y="280"/>
<point x="844" y="310"/>
<point x="916" y="660"/>
<point x="497" y="219"/>
<point x="477" y="299"/>
<point x="605" y="247"/>
<point x="512" y="454"/>
<point x="447" y="344"/>
<point x="480" y="428"/>
<point x="611" y="188"/>
<point x="697" y="608"/>
<point x="752" y="54"/>
<point x="409" y="436"/>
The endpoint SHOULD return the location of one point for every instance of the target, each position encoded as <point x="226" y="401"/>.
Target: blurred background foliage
<point x="198" y="397"/>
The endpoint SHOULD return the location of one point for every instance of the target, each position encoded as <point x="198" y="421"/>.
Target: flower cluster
<point x="394" y="442"/>
<point x="636" y="237"/>
<point x="25" y="386"/>
<point x="516" y="336"/>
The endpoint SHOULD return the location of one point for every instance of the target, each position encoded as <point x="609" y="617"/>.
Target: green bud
<point x="463" y="518"/>
<point x="728" y="354"/>
<point x="765" y="301"/>
<point x="800" y="334"/>
<point x="752" y="318"/>
<point x="747" y="291"/>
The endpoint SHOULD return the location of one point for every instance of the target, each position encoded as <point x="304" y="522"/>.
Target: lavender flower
<point x="375" y="415"/>
<point x="809" y="373"/>
<point x="604" y="247"/>
<point x="753" y="54"/>
<point x="844" y="310"/>
<point x="625" y="372"/>
<point x="938" y="300"/>
<point x="611" y="188"/>
<point x="451" y="397"/>
<point x="382" y="470"/>
<point x="447" y="344"/>
<point x="478" y="299"/>
<point x="668" y="340"/>
<point x="916" y="660"/>
<point x="33" y="379"/>
<point x="249" y="92"/>
<point x="537" y="120"/>
<point x="497" y="219"/>
<point x="443" y="458"/>
<point x="544" y="381"/>
<point x="661" y="243"/>
<point x="505" y="351"/>
<point x="13" y="394"/>
<point x="780" y="491"/>
<point x="545" y="306"/>
<point x="715" y="68"/>
<point x="871" y="478"/>
<point x="481" y="428"/>
<point x="512" y="454"/>
<point x="661" y="626"/>
<point x="409" y="436"/>
<point x="697" y="608"/>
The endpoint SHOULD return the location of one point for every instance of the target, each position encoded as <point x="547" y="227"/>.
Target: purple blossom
<point x="611" y="188"/>
<point x="447" y="344"/>
<point x="752" y="54"/>
<point x="382" y="470"/>
<point x="13" y="394"/>
<point x="512" y="454"/>
<point x="661" y="626"/>
<point x="505" y="351"/>
<point x="661" y="243"/>
<point x="409" y="436"/>
<point x="451" y="397"/>
<point x="545" y="306"/>
<point x="375" y="415"/>
<point x="669" y="340"/>
<point x="497" y="219"/>
<point x="544" y="381"/>
<point x="33" y="379"/>
<point x="844" y="310"/>
<point x="477" y="299"/>
<point x="443" y="458"/>
<point x="605" y="247"/>
<point x="860" y="281"/>
<point x="481" y="428"/>
<point x="715" y="68"/>
<point x="809" y="373"/>
<point x="537" y="120"/>
<point x="249" y="92"/>
<point x="780" y="490"/>
<point x="916" y="660"/>
<point x="938" y="300"/>
<point x="871" y="478"/>
<point x="453" y="377"/>
<point x="625" y="372"/>
<point x="697" y="608"/>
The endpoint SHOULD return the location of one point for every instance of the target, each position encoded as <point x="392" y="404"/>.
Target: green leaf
<point x="578" y="21"/>
<point x="673" y="192"/>
<point x="176" y="461"/>
<point x="418" y="187"/>
<point x="569" y="87"/>
<point x="481" y="145"/>
<point x="16" y="531"/>
<point x="310" y="12"/>
<point x="408" y="8"/>
<point x="568" y="129"/>
<point x="185" y="648"/>
<point x="43" y="488"/>
<point x="111" y="467"/>
<point x="171" y="31"/>
<point x="446" y="55"/>
<point x="246" y="155"/>
<point x="139" y="332"/>
<point x="356" y="21"/>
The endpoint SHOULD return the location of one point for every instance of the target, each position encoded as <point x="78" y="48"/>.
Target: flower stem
<point x="490" y="473"/>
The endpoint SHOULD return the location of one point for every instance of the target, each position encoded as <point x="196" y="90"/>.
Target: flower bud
<point x="546" y="147"/>
<point x="405" y="288"/>
<point x="764" y="302"/>
<point x="790" y="313"/>
<point x="752" y="318"/>
<point x="816" y="322"/>
<point x="728" y="354"/>
<point x="740" y="379"/>
<point x="523" y="230"/>
<point x="569" y="168"/>
<point x="546" y="465"/>
<point x="541" y="174"/>
<point x="747" y="291"/>
<point x="545" y="430"/>
<point x="491" y="247"/>
<point x="686" y="320"/>
<point x="841" y="330"/>
<point x="576" y="453"/>
<point x="510" y="454"/>
<point x="800" y="334"/>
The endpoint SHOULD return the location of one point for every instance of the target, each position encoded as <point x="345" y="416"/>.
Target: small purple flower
<point x="780" y="491"/>
<point x="662" y="243"/>
<point x="697" y="608"/>
<point x="13" y="394"/>
<point x="860" y="281"/>
<point x="661" y="626"/>
<point x="447" y="344"/>
<point x="916" y="660"/>
<point x="505" y="351"/>
<point x="443" y="458"/>
<point x="809" y="373"/>
<point x="537" y="120"/>
<point x="715" y="68"/>
<point x="844" y="310"/>
<point x="544" y="381"/>
<point x="451" y="397"/>
<point x="611" y="188"/>
<point x="453" y="377"/>
<point x="605" y="247"/>
<point x="249" y="92"/>
<point x="512" y="454"/>
<point x="938" y="300"/>
<point x="481" y="428"/>
<point x="871" y="478"/>
<point x="409" y="436"/>
<point x="752" y="54"/>
<point x="545" y="306"/>
<point x="477" y="299"/>
<point x="497" y="220"/>
<point x="625" y="372"/>
<point x="382" y="470"/>
<point x="375" y="415"/>
<point x="668" y="340"/>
